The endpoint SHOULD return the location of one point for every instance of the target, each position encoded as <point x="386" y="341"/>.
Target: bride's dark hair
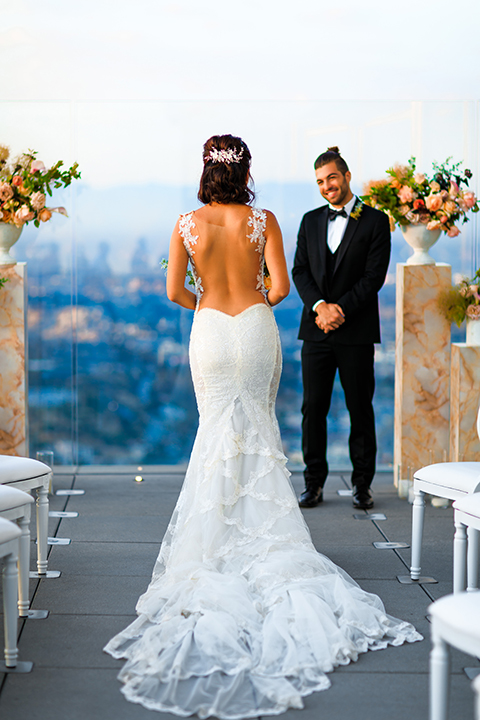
<point x="226" y="171"/>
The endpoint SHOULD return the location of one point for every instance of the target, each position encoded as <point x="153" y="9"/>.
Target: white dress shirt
<point x="336" y="230"/>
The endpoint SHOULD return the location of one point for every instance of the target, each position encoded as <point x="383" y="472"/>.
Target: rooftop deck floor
<point x="108" y="564"/>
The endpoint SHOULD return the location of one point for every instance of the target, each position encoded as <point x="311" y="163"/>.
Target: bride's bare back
<point x="227" y="256"/>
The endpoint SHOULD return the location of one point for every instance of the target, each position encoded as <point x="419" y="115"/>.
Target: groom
<point x="340" y="264"/>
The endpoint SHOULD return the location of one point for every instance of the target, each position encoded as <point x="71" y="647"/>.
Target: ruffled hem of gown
<point x="241" y="620"/>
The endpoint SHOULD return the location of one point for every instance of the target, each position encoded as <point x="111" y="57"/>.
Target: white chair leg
<point x="459" y="557"/>
<point x="10" y="585"/>
<point x="439" y="678"/>
<point x="418" y="512"/>
<point x="472" y="559"/>
<point x="42" y="530"/>
<point x="24" y="565"/>
<point x="476" y="688"/>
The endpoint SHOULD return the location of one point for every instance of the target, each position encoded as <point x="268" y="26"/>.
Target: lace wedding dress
<point x="243" y="616"/>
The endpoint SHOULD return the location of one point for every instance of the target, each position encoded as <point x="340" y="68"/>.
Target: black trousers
<point x="320" y="361"/>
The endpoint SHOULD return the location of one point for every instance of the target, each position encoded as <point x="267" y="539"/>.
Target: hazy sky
<point x="254" y="49"/>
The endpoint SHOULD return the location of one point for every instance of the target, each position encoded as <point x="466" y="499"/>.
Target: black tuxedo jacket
<point x="360" y="268"/>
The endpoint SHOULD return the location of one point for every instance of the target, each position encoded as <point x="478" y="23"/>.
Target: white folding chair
<point x="455" y="622"/>
<point x="27" y="474"/>
<point x="466" y="543"/>
<point x="15" y="505"/>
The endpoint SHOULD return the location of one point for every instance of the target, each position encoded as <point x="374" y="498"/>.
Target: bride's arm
<point x="275" y="260"/>
<point x="177" y="269"/>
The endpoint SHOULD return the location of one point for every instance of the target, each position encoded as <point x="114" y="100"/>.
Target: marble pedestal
<point x="464" y="402"/>
<point x="13" y="356"/>
<point x="422" y="371"/>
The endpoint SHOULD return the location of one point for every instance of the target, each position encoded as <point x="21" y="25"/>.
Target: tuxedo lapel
<point x="322" y="242"/>
<point x="350" y="231"/>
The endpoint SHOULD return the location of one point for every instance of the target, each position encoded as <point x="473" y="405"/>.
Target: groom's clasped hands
<point x="329" y="316"/>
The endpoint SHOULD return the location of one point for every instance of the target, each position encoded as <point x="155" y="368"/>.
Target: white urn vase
<point x="421" y="240"/>
<point x="473" y="332"/>
<point x="9" y="235"/>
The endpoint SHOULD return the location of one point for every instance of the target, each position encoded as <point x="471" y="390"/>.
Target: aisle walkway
<point x="107" y="566"/>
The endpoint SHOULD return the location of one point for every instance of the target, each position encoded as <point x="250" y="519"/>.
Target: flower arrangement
<point x="409" y="197"/>
<point x="25" y="183"/>
<point x="462" y="300"/>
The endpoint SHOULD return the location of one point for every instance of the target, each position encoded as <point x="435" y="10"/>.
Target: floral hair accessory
<point x="224" y="156"/>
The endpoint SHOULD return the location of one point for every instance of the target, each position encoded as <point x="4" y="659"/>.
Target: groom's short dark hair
<point x="332" y="155"/>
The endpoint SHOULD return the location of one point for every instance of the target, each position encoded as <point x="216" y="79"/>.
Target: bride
<point x="242" y="616"/>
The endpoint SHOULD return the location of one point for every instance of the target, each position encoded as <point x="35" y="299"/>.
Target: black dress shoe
<point x="362" y="498"/>
<point x="311" y="497"/>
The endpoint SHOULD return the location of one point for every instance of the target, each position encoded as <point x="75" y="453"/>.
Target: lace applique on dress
<point x="258" y="223"/>
<point x="186" y="227"/>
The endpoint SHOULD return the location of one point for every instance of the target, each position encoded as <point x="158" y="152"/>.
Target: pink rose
<point x="37" y="166"/>
<point x="469" y="199"/>
<point x="473" y="312"/>
<point x="403" y="209"/>
<point x="434" y="225"/>
<point x="443" y="219"/>
<point x="434" y="186"/>
<point x="405" y="194"/>
<point x="419" y="178"/>
<point x="44" y="215"/>
<point x="453" y="231"/>
<point x="434" y="202"/>
<point x="6" y="192"/>
<point x="38" y="200"/>
<point x="23" y="215"/>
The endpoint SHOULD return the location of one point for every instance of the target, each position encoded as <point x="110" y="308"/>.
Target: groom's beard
<point x="339" y="200"/>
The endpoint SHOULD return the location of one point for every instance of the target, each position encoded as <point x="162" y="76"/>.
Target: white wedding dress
<point x="243" y="616"/>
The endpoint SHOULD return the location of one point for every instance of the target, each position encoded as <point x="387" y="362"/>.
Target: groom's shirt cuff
<point x="314" y="308"/>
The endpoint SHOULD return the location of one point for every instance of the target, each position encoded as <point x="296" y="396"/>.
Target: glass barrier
<point x="109" y="381"/>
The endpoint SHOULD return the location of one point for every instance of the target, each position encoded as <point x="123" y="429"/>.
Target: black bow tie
<point x="332" y="214"/>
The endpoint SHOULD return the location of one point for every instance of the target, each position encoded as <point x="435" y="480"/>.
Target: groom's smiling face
<point x="333" y="185"/>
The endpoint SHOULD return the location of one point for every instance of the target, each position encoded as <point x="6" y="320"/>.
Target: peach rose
<point x="469" y="199"/>
<point x="17" y="180"/>
<point x="395" y="184"/>
<point x="434" y="225"/>
<point x="5" y="216"/>
<point x="44" y="215"/>
<point x="23" y="215"/>
<point x="419" y="178"/>
<point x="453" y="231"/>
<point x="403" y="209"/>
<point x="38" y="200"/>
<point x="434" y="202"/>
<point x="6" y="191"/>
<point x="434" y="186"/>
<point x="443" y="219"/>
<point x="405" y="194"/>
<point x="450" y="207"/>
<point x="37" y="166"/>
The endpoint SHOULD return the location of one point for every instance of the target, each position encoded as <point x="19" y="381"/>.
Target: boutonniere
<point x="357" y="210"/>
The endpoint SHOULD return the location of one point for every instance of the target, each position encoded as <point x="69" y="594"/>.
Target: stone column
<point x="422" y="371"/>
<point x="13" y="361"/>
<point x="464" y="402"/>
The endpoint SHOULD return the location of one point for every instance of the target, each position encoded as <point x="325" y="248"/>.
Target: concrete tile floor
<point x="107" y="566"/>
